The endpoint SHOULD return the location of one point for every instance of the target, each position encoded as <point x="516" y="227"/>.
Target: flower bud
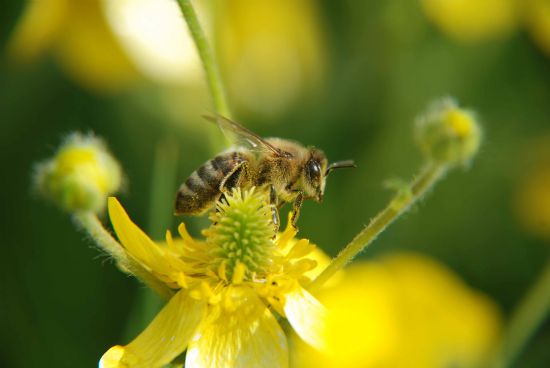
<point x="81" y="175"/>
<point x="447" y="133"/>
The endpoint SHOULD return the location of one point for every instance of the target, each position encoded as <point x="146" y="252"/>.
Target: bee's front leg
<point x="296" y="209"/>
<point x="274" y="211"/>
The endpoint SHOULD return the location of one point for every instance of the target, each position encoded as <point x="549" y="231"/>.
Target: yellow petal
<point x="248" y="337"/>
<point x="163" y="340"/>
<point x="307" y="316"/>
<point x="136" y="242"/>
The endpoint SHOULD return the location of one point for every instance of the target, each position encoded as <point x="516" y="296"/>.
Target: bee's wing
<point x="245" y="137"/>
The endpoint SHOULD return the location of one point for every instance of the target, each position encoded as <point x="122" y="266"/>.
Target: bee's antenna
<point x="340" y="165"/>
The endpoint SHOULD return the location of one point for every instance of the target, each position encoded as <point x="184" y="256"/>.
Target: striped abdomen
<point x="202" y="189"/>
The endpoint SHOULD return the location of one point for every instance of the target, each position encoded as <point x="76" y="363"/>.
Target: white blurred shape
<point x="154" y="34"/>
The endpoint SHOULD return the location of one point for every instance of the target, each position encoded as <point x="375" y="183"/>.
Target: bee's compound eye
<point x="314" y="169"/>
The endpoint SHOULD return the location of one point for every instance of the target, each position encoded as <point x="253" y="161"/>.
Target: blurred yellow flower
<point x="155" y="36"/>
<point x="403" y="311"/>
<point x="532" y="202"/>
<point x="537" y="21"/>
<point x="77" y="33"/>
<point x="473" y="20"/>
<point x="271" y="52"/>
<point x="228" y="289"/>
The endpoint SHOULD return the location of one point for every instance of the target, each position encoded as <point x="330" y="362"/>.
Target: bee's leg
<point x="274" y="210"/>
<point x="296" y="209"/>
<point x="230" y="181"/>
<point x="233" y="178"/>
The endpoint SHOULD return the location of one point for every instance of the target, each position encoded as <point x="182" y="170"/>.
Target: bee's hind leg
<point x="274" y="210"/>
<point x="230" y="181"/>
<point x="233" y="178"/>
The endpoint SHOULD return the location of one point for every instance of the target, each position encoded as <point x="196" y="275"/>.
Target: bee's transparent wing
<point x="242" y="136"/>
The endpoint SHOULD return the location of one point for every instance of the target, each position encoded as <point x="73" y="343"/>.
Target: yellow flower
<point x="473" y="20"/>
<point x="78" y="34"/>
<point x="403" y="311"/>
<point x="228" y="290"/>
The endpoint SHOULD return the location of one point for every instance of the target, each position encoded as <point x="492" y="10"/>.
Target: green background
<point x="63" y="304"/>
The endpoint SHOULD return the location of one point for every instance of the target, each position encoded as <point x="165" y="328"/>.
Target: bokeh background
<point x="346" y="76"/>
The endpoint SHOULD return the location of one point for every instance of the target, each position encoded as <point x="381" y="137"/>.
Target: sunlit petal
<point x="307" y="316"/>
<point x="163" y="340"/>
<point x="248" y="337"/>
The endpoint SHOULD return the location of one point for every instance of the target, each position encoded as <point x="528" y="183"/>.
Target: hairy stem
<point x="397" y="206"/>
<point x="207" y="58"/>
<point x="108" y="244"/>
<point x="524" y="321"/>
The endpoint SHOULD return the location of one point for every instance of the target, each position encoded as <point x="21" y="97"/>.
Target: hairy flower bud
<point x="81" y="175"/>
<point x="447" y="133"/>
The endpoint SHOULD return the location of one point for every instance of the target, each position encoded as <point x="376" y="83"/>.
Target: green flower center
<point x="242" y="233"/>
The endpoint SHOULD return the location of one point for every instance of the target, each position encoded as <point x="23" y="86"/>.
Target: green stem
<point x="161" y="199"/>
<point x="163" y="187"/>
<point x="523" y="323"/>
<point x="108" y="244"/>
<point x="207" y="58"/>
<point x="398" y="205"/>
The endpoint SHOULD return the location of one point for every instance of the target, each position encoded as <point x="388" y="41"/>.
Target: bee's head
<point x="314" y="174"/>
<point x="316" y="171"/>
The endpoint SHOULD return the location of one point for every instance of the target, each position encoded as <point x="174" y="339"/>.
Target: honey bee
<point x="290" y="172"/>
